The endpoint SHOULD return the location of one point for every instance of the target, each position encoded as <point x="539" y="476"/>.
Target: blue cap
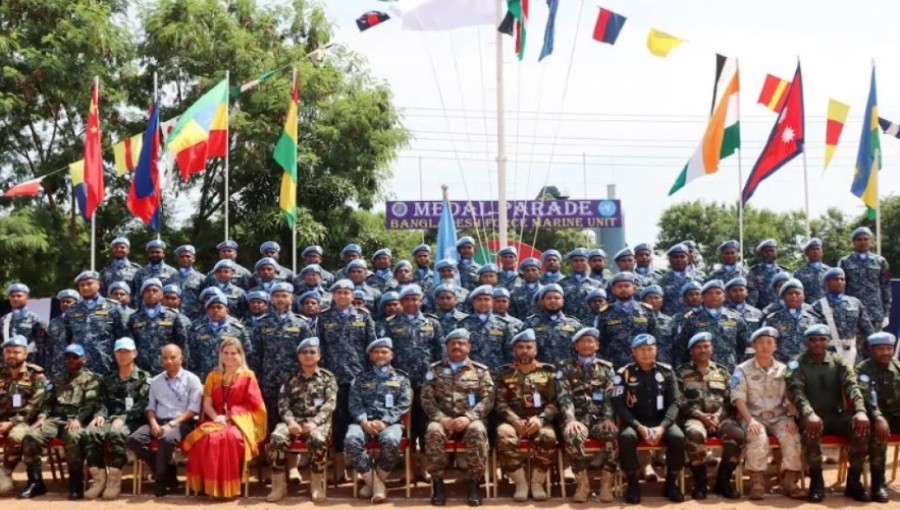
<point x="282" y="287"/>
<point x="229" y="245"/>
<point x="780" y="276"/>
<point x="382" y="251"/>
<point x="642" y="339"/>
<point x="731" y="243"/>
<point x="642" y="247"/>
<point x="594" y="294"/>
<point x="509" y="250"/>
<point x="740" y="281"/>
<point x="458" y="333"/>
<point x="151" y="282"/>
<point x="312" y="249"/>
<point x="269" y="245"/>
<point x="765" y="331"/>
<point x="351" y="248"/>
<point x="125" y="343"/>
<point x="87" y="275"/>
<point x="311" y="268"/>
<point x="402" y="263"/>
<point x="833" y="272"/>
<point x="210" y="291"/>
<point x="18" y="287"/>
<point x="121" y="240"/>
<point x="465" y="240"/>
<point x="690" y="244"/>
<point x="387" y="297"/>
<point x="624" y="276"/>
<point x="421" y="247"/>
<point x="172" y="288"/>
<point x="185" y="248"/>
<point x="624" y="252"/>
<point x="550" y="287"/>
<point x="312" y="341"/>
<point x="678" y="248"/>
<point x="444" y="287"/>
<point x="75" y="349"/>
<point x="817" y="330"/>
<point x="592" y="332"/>
<point x="359" y="294"/>
<point x="880" y="338"/>
<point x="815" y="241"/>
<point x="860" y="231"/>
<point x="529" y="262"/>
<point x="501" y="292"/>
<point x="380" y="342"/>
<point x="224" y="264"/>
<point x="550" y="253"/>
<point x="411" y="290"/>
<point x="155" y="244"/>
<point x="767" y="243"/>
<point x="596" y="252"/>
<point x="526" y="335"/>
<point x="310" y="294"/>
<point x="124" y="287"/>
<point x="702" y="336"/>
<point x="713" y="284"/>
<point x="265" y="261"/>
<point x="689" y="286"/>
<point x="217" y="299"/>
<point x="343" y="283"/>
<point x="67" y="293"/>
<point x="488" y="268"/>
<point x="15" y="341"/>
<point x="444" y="264"/>
<point x="356" y="264"/>
<point x="792" y="283"/>
<point x="483" y="290"/>
<point x="577" y="252"/>
<point x="651" y="289"/>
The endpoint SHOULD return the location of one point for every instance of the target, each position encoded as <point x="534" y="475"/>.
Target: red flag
<point x="25" y="189"/>
<point x="93" y="161"/>
<point x="786" y="140"/>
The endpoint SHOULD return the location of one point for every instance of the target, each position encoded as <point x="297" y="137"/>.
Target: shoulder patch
<point x="735" y="380"/>
<point x="645" y="305"/>
<point x="480" y="365"/>
<point x="604" y="307"/>
<point x="429" y="376"/>
<point x="664" y="365"/>
<point x="605" y="363"/>
<point x="392" y="317"/>
<point x="689" y="314"/>
<point x="793" y="364"/>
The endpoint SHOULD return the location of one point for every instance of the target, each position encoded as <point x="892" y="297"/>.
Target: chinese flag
<point x="93" y="161"/>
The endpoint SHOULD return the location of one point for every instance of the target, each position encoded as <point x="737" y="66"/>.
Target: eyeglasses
<point x="309" y="352"/>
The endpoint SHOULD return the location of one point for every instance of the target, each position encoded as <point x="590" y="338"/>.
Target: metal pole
<point x="740" y="175"/>
<point x="155" y="99"/>
<point x="227" y="134"/>
<point x="296" y="202"/>
<point x="421" y="191"/>
<point x="501" y="136"/>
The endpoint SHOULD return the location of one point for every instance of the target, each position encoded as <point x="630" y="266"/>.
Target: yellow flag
<point x="660" y="43"/>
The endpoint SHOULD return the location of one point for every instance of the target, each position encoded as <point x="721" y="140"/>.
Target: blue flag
<point x="446" y="237"/>
<point x="144" y="196"/>
<point x="549" y="30"/>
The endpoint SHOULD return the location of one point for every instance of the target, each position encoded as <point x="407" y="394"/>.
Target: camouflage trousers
<point x="475" y="438"/>
<point x="388" y="441"/>
<point x="839" y="425"/>
<point x="756" y="454"/>
<point x="508" y="447"/>
<point x="35" y="440"/>
<point x="12" y="449"/>
<point x="280" y="440"/>
<point x="878" y="451"/>
<point x="578" y="458"/>
<point x="96" y="439"/>
<point x="731" y="434"/>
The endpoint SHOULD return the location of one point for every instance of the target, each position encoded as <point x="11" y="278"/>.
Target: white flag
<point x="433" y="15"/>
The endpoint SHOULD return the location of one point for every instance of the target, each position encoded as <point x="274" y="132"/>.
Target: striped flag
<point x="868" y="159"/>
<point x="126" y="153"/>
<point x="773" y="95"/>
<point x="837" y="115"/>
<point x="286" y="157"/>
<point x="889" y="128"/>
<point x="79" y="189"/>
<point x="608" y="26"/>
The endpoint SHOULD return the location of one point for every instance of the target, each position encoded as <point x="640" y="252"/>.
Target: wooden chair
<point x="527" y="446"/>
<point x="299" y="446"/>
<point x="406" y="443"/>
<point x="455" y="446"/>
<point x="894" y="442"/>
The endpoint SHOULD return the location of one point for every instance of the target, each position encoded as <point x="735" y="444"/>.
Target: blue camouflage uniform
<point x="576" y="287"/>
<point x="118" y="270"/>
<point x="201" y="354"/>
<point x="95" y="323"/>
<point x="154" y="328"/>
<point x="726" y="273"/>
<point x="810" y="275"/>
<point x="164" y="272"/>
<point x="869" y="280"/>
<point x="26" y="323"/>
<point x="618" y="324"/>
<point x="522" y="300"/>
<point x="417" y="343"/>
<point x="190" y="281"/>
<point x="275" y="340"/>
<point x="489" y="337"/>
<point x="672" y="282"/>
<point x="759" y="284"/>
<point x="849" y="319"/>
<point x="791" y="324"/>
<point x="729" y="331"/>
<point x="554" y="334"/>
<point x="235" y="296"/>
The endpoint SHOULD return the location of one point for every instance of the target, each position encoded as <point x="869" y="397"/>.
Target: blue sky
<point x="619" y="115"/>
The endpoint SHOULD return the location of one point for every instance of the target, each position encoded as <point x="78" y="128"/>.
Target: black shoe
<point x="816" y="486"/>
<point x="438" y="498"/>
<point x="171" y="481"/>
<point x="160" y="490"/>
<point x="723" y="481"/>
<point x="35" y="485"/>
<point x="672" y="490"/>
<point x="854" y="488"/>
<point x="474" y="496"/>
<point x="700" y="482"/>
<point x="633" y="494"/>
<point x="76" y="483"/>
<point x="879" y="492"/>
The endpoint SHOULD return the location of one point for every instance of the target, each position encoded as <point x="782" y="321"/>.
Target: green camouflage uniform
<point x="521" y="396"/>
<point x="585" y="396"/>
<point x="20" y="402"/>
<point x="880" y="387"/>
<point x="119" y="399"/>
<point x="707" y="392"/>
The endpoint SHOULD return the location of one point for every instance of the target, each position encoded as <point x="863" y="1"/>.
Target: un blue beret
<point x="389" y="296"/>
<point x="551" y="287"/>
<point x="624" y="276"/>
<point x="592" y="332"/>
<point x="310" y="294"/>
<point x="120" y="240"/>
<point x="120" y="285"/>
<point x="172" y="289"/>
<point x="312" y="341"/>
<point x="156" y="245"/>
<point x="343" y="283"/>
<point x="282" y="287"/>
<point x="529" y="262"/>
<point x="151" y="282"/>
<point x="311" y="268"/>
<point x="465" y="240"/>
<point x="642" y="339"/>
<point x="624" y="252"/>
<point x="210" y="291"/>
<point x="16" y="341"/>
<point x="227" y="245"/>
<point x="678" y="248"/>
<point x="833" y="272"/>
<point x="67" y="293"/>
<point x="457" y="333"/>
<point x="402" y="263"/>
<point x="768" y="243"/>
<point x="269" y="245"/>
<point x="185" y="248"/>
<point x="483" y="290"/>
<point x="444" y="287"/>
<point x="817" y="330"/>
<point x="860" y="231"/>
<point x="224" y="264"/>
<point x="18" y="287"/>
<point x="577" y="252"/>
<point x="421" y="247"/>
<point x="594" y="294"/>
<point x="815" y="241"/>
<point x="124" y="343"/>
<point x="265" y="261"/>
<point x="526" y="335"/>
<point x="501" y="292"/>
<point x="312" y="249"/>
<point x="550" y="253"/>
<point x="380" y="342"/>
<point x="792" y="283"/>
<point x="75" y="349"/>
<point x="881" y="338"/>
<point x="509" y="250"/>
<point x="703" y="336"/>
<point x="488" y="268"/>
<point x="382" y="251"/>
<point x="87" y="275"/>
<point x="359" y="294"/>
<point x="731" y="243"/>
<point x="356" y="264"/>
<point x="740" y="281"/>
<point x="689" y="286"/>
<point x="651" y="289"/>
<point x="713" y="284"/>
<point x="780" y="276"/>
<point x="642" y="247"/>
<point x="444" y="264"/>
<point x="596" y="252"/>
<point x="219" y="299"/>
<point x="765" y="331"/>
<point x="411" y="290"/>
<point x="351" y="248"/>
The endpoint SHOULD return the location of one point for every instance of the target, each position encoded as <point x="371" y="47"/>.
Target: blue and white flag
<point x="446" y="236"/>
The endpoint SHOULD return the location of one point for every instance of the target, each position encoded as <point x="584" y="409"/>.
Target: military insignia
<point x="447" y="371"/>
<point x="660" y="377"/>
<point x="864" y="378"/>
<point x="429" y="376"/>
<point x="793" y="364"/>
<point x="292" y="330"/>
<point x="617" y="379"/>
<point x="165" y="323"/>
<point x="567" y="328"/>
<point x="640" y="320"/>
<point x="358" y="324"/>
<point x="559" y="374"/>
<point x="138" y="324"/>
<point x="101" y="312"/>
<point x="392" y="384"/>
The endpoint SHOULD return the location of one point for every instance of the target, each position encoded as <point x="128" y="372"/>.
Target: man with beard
<point x="119" y="269"/>
<point x="622" y="320"/>
<point x="552" y="262"/>
<point x="552" y="328"/>
<point x="423" y="275"/>
<point x="812" y="274"/>
<point x="759" y="287"/>
<point x="643" y="259"/>
<point x="156" y="268"/>
<point x="597" y="262"/>
<point x="94" y="322"/>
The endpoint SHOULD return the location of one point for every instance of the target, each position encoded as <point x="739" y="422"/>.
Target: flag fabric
<point x="144" y="196"/>
<point x="608" y="26"/>
<point x="721" y="60"/>
<point x="837" y="115"/>
<point x="889" y="128"/>
<point x="446" y="234"/>
<point x="286" y="157"/>
<point x="660" y="43"/>
<point x="786" y="141"/>
<point x="79" y="188"/>
<point x="30" y="188"/>
<point x="723" y="132"/>
<point x="549" y="30"/>
<point x="93" y="158"/>
<point x="244" y="87"/>
<point x="201" y="132"/>
<point x="868" y="159"/>
<point x="772" y="94"/>
<point x="126" y="153"/>
<point x="516" y="19"/>
<point x="435" y="15"/>
<point x="370" y="19"/>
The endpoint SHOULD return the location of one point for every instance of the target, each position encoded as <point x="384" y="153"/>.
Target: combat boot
<point x="76" y="482"/>
<point x="113" y="484"/>
<point x="98" y="478"/>
<point x="879" y="492"/>
<point x="701" y="482"/>
<point x="518" y="478"/>
<point x="474" y="496"/>
<point x="36" y="485"/>
<point x="583" y="489"/>
<point x="317" y="487"/>
<point x="379" y="491"/>
<point x="438" y="498"/>
<point x="816" y="486"/>
<point x="338" y="474"/>
<point x="854" y="487"/>
<point x="672" y="490"/>
<point x="757" y="485"/>
<point x="790" y="485"/>
<point x="633" y="494"/>
<point x="538" y="477"/>
<point x="6" y="482"/>
<point x="723" y="481"/>
<point x="606" y="486"/>
<point x="279" y="487"/>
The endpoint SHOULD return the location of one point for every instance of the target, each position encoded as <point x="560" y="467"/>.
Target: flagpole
<point x="877" y="194"/>
<point x="421" y="192"/>
<point x="805" y="176"/>
<point x="294" y="223"/>
<point x="740" y="183"/>
<point x="227" y="150"/>
<point x="94" y="213"/>
<point x="501" y="135"/>
<point x="155" y="101"/>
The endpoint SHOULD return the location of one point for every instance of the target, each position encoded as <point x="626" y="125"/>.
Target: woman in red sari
<point x="233" y="424"/>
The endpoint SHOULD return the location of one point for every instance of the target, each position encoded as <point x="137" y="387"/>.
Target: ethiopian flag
<point x="723" y="135"/>
<point x="201" y="132"/>
<point x="286" y="157"/>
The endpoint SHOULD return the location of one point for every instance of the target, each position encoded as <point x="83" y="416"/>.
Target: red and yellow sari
<point x="217" y="452"/>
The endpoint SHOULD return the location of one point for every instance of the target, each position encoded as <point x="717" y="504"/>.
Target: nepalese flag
<point x="126" y="154"/>
<point x="370" y="19"/>
<point x="144" y="196"/>
<point x="608" y="26"/>
<point x="772" y="95"/>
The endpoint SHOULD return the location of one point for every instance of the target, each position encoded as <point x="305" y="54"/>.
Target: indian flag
<point x="286" y="157"/>
<point x="723" y="135"/>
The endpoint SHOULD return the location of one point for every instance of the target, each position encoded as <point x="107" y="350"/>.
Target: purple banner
<point x="550" y="214"/>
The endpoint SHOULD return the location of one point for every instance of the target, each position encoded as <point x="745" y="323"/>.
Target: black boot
<point x="36" y="485"/>
<point x="879" y="492"/>
<point x="474" y="497"/>
<point x="723" y="481"/>
<point x="76" y="482"/>
<point x="438" y="498"/>
<point x="672" y="490"/>
<point x="700" y="482"/>
<point x="854" y="488"/>
<point x="816" y="486"/>
<point x="633" y="494"/>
